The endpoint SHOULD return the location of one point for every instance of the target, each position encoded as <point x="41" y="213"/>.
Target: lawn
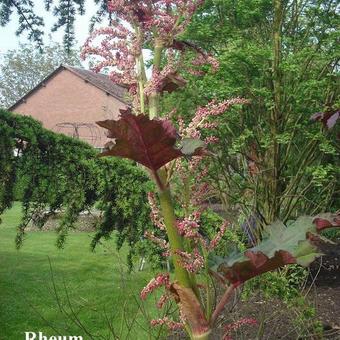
<point x="93" y="289"/>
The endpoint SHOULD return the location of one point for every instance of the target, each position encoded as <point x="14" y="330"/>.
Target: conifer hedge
<point x="51" y="173"/>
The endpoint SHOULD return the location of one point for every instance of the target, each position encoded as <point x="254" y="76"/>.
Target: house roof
<point x="99" y="80"/>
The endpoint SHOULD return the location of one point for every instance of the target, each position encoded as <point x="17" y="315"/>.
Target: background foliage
<point x="51" y="172"/>
<point x="271" y="161"/>
<point x="23" y="68"/>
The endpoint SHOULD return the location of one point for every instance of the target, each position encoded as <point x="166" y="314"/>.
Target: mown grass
<point x="38" y="281"/>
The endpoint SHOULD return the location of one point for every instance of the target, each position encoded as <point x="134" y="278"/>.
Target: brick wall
<point x="68" y="98"/>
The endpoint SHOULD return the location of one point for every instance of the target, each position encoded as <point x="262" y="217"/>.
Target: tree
<point x="52" y="173"/>
<point x="22" y="69"/>
<point x="65" y="12"/>
<point x="272" y="161"/>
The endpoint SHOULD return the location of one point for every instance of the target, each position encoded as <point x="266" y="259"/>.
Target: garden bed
<point x="315" y="317"/>
<point x="86" y="222"/>
<point x="322" y="294"/>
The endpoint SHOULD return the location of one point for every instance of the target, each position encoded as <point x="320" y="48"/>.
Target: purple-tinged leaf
<point x="148" y="142"/>
<point x="328" y="118"/>
<point x="172" y="82"/>
<point x="332" y="120"/>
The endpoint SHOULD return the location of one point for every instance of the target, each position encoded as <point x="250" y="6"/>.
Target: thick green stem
<point x="153" y="105"/>
<point x="175" y="240"/>
<point x="167" y="207"/>
<point x="155" y="96"/>
<point x="157" y="55"/>
<point x="208" y="292"/>
<point x="141" y="74"/>
<point x="204" y="336"/>
<point x="141" y="96"/>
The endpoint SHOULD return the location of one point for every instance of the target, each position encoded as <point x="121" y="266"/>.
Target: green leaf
<point x="297" y="243"/>
<point x="190" y="146"/>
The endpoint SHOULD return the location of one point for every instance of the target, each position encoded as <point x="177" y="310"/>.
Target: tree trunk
<point x="273" y="160"/>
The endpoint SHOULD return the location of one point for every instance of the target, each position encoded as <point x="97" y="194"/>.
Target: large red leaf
<point x="150" y="142"/>
<point x="255" y="263"/>
<point x="299" y="243"/>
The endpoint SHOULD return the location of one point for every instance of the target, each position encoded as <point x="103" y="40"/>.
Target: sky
<point x="8" y="39"/>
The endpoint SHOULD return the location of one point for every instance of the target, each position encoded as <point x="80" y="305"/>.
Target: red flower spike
<point x="148" y="142"/>
<point x="236" y="325"/>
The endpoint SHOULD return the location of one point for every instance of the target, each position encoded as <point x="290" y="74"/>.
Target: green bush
<point x="50" y="172"/>
<point x="284" y="284"/>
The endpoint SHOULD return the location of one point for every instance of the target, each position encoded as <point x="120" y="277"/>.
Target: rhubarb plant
<point x="176" y="156"/>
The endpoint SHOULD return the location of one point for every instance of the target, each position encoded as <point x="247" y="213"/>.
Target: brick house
<point x="70" y="100"/>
